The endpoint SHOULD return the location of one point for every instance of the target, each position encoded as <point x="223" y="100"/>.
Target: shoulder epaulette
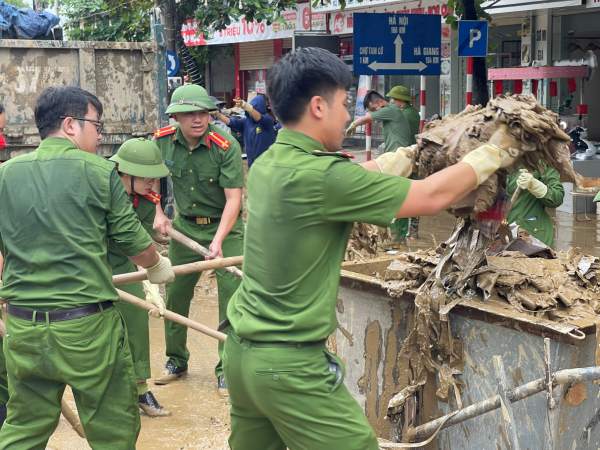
<point x="217" y="139"/>
<point x="152" y="196"/>
<point x="339" y="154"/>
<point x="165" y="131"/>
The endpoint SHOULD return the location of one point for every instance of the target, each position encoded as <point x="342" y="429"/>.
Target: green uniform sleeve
<point x="382" y="114"/>
<point x="556" y="192"/>
<point x="123" y="225"/>
<point x="355" y="194"/>
<point x="232" y="170"/>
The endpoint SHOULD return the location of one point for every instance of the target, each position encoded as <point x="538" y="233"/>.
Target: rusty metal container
<point x="372" y="329"/>
<point x="128" y="78"/>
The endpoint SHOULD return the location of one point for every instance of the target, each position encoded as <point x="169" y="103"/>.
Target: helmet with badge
<point x="140" y="157"/>
<point x="188" y="98"/>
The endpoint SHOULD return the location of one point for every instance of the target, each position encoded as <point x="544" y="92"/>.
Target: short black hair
<point x="372" y="97"/>
<point x="300" y="76"/>
<point x="1" y="108"/>
<point x="69" y="101"/>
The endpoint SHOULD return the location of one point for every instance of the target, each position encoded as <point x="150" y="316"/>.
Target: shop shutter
<point x="256" y="55"/>
<point x="287" y="43"/>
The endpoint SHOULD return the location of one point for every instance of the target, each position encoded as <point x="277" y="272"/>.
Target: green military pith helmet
<point x="190" y="97"/>
<point x="140" y="157"/>
<point x="401" y="93"/>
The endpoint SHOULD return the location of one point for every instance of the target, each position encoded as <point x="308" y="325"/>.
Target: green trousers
<point x="181" y="291"/>
<point x="294" y="397"/>
<point x="137" y="323"/>
<point x="90" y="354"/>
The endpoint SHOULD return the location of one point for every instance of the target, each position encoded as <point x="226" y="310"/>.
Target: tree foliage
<point x="19" y="3"/>
<point x="107" y="20"/>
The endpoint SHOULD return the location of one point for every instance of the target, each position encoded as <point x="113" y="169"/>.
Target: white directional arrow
<point x="398" y="65"/>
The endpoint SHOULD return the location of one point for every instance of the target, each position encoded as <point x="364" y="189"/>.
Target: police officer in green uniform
<point x="400" y="96"/>
<point x="59" y="206"/>
<point x="205" y="165"/>
<point x="396" y="128"/>
<point x="539" y="190"/>
<point x="286" y="389"/>
<point x="139" y="164"/>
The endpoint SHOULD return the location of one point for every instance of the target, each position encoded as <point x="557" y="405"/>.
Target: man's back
<point x="396" y="128"/>
<point x="58" y="209"/>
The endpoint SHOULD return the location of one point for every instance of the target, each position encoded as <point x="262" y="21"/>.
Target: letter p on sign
<point x="475" y="36"/>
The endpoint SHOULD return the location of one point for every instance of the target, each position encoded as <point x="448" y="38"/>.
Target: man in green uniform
<point x="205" y="165"/>
<point x="286" y="389"/>
<point x="539" y="190"/>
<point x="400" y="96"/>
<point x="139" y="164"/>
<point x="59" y="206"/>
<point x="396" y="129"/>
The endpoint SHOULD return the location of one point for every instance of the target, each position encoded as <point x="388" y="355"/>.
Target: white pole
<point x="56" y="8"/>
<point x="368" y="126"/>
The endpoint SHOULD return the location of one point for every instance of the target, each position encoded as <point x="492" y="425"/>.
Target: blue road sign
<point x="473" y="37"/>
<point x="172" y="64"/>
<point x="397" y="44"/>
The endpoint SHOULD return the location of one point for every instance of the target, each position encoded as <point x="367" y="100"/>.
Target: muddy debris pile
<point x="364" y="240"/>
<point x="409" y="271"/>
<point x="444" y="143"/>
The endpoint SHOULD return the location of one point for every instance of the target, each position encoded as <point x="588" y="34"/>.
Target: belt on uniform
<point x="57" y="316"/>
<point x="201" y="220"/>
<point x="287" y="343"/>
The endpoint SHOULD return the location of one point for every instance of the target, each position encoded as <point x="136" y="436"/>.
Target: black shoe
<point x="171" y="373"/>
<point x="223" y="392"/>
<point x="151" y="407"/>
<point x="2" y="414"/>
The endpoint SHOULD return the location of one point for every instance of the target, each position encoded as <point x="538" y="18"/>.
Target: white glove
<point x="161" y="272"/>
<point x="242" y="104"/>
<point x="400" y="163"/>
<point x="536" y="187"/>
<point x="351" y="130"/>
<point x="153" y="296"/>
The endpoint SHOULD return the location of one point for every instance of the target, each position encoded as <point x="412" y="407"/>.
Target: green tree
<point x="107" y="20"/>
<point x="19" y="3"/>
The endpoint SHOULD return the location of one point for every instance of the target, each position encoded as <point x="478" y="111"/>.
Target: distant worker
<point x="396" y="128"/>
<point x="213" y="117"/>
<point x="257" y="126"/>
<point x="139" y="164"/>
<point x="400" y="96"/>
<point x="540" y="190"/>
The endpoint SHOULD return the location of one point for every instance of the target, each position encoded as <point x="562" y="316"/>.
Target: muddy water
<point x="200" y="417"/>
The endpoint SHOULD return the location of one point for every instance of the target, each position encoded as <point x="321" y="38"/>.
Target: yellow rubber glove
<point x="502" y="152"/>
<point x="400" y="163"/>
<point x="536" y="187"/>
<point x="242" y="104"/>
<point x="351" y="130"/>
<point x="153" y="296"/>
<point x="161" y="272"/>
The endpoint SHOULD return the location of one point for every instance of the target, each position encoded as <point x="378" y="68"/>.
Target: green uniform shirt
<point x="200" y="175"/>
<point x="529" y="212"/>
<point x="396" y="128"/>
<point x="59" y="207"/>
<point x="119" y="262"/>
<point x="301" y="208"/>
<point x="414" y="120"/>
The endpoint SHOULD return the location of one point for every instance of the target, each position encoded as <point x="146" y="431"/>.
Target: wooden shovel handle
<point x="183" y="269"/>
<point x="189" y="243"/>
<point x="173" y="317"/>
